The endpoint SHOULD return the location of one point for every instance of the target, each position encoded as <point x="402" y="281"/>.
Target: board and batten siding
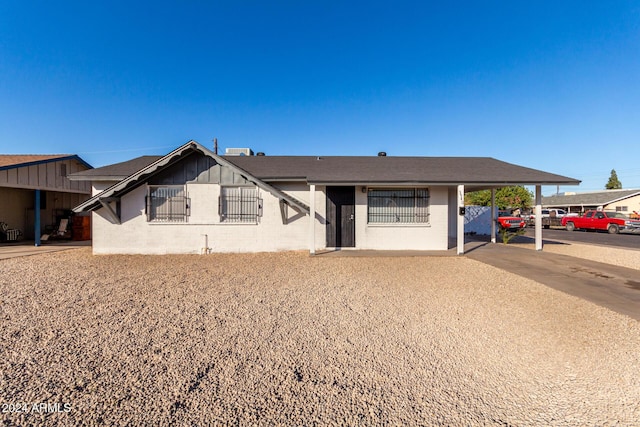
<point x="48" y="176"/>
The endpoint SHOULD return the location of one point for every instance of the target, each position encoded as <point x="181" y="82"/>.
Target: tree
<point x="614" y="183"/>
<point x="507" y="197"/>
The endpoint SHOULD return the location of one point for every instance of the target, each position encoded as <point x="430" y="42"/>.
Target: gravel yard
<point x="290" y="339"/>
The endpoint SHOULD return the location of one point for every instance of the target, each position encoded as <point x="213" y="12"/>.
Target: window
<point x="168" y="203"/>
<point x="622" y="208"/>
<point x="398" y="205"/>
<point x="240" y="205"/>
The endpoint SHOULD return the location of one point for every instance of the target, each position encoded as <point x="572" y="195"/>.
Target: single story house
<point x="625" y="201"/>
<point x="36" y="193"/>
<point x="193" y="200"/>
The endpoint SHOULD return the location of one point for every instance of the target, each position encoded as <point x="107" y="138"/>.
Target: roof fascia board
<point x="72" y="177"/>
<point x="435" y="183"/>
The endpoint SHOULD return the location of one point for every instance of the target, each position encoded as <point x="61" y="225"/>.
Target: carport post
<point x="538" y="226"/>
<point x="460" y="234"/>
<point x="36" y="215"/>
<point x="312" y="219"/>
<point x="493" y="215"/>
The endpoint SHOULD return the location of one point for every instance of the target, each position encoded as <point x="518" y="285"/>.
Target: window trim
<point x="254" y="217"/>
<point x="426" y="213"/>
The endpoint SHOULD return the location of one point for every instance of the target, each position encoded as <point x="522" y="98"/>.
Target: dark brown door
<point x="341" y="217"/>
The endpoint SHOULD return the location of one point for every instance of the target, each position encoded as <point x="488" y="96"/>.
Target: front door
<point x="341" y="212"/>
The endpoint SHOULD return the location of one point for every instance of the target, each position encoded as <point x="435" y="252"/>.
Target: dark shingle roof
<point x="371" y="170"/>
<point x="115" y="172"/>
<point x="471" y="171"/>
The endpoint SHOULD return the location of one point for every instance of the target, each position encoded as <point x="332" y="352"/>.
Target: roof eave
<point x="74" y="177"/>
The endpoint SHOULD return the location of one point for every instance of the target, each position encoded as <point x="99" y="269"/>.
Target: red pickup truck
<point x="613" y="222"/>
<point x="506" y="221"/>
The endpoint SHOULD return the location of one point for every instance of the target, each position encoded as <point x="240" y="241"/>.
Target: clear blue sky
<point x="551" y="85"/>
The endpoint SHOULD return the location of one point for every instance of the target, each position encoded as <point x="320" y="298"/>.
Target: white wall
<point x="405" y="236"/>
<point x="631" y="203"/>
<point x="136" y="235"/>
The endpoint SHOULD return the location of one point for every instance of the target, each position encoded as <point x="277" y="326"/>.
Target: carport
<point x="36" y="193"/>
<point x="510" y="177"/>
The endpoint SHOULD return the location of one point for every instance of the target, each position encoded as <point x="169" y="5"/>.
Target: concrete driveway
<point x="27" y="248"/>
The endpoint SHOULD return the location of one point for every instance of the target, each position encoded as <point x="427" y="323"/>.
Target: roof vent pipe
<point x="382" y="154"/>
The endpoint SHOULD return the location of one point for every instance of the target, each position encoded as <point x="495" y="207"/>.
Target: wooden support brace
<point x="110" y="212"/>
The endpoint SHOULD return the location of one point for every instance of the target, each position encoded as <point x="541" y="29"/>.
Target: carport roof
<point x="11" y="161"/>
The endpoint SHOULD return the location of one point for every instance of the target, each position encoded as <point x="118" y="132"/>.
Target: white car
<point x="546" y="213"/>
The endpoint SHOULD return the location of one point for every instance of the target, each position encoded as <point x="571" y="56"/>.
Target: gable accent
<point x="140" y="177"/>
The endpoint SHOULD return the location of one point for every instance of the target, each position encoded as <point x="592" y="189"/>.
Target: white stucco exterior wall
<point x="432" y="236"/>
<point x="137" y="236"/>
<point x="630" y="203"/>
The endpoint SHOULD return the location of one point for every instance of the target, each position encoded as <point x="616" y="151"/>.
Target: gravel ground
<point x="629" y="258"/>
<point x="288" y="339"/>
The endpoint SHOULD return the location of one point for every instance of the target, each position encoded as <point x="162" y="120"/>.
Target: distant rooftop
<point x="592" y="198"/>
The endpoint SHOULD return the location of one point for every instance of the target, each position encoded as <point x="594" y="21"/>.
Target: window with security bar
<point x="240" y="205"/>
<point x="167" y="203"/>
<point x="398" y="205"/>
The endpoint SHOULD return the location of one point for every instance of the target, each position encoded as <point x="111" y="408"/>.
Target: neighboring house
<point x="35" y="192"/>
<point x="193" y="201"/>
<point x="625" y="201"/>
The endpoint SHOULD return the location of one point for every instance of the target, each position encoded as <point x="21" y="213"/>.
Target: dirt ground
<point x="288" y="339"/>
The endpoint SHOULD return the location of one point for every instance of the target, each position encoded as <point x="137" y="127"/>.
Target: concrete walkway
<point x="610" y="286"/>
<point x="27" y="248"/>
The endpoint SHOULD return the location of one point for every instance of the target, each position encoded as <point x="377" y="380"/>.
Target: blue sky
<point x="549" y="85"/>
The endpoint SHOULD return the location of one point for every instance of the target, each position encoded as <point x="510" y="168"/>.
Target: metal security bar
<point x="240" y="204"/>
<point x="401" y="205"/>
<point x="167" y="204"/>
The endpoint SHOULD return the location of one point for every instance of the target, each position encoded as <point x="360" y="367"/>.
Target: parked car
<point x="507" y="221"/>
<point x="613" y="222"/>
<point x="550" y="213"/>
